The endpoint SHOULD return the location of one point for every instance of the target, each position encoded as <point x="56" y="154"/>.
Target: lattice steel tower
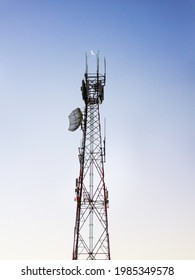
<point x="91" y="237"/>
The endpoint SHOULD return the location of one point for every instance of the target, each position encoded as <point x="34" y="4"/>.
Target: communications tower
<point x="91" y="237"/>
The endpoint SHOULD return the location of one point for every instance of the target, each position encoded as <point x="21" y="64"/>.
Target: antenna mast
<point x="91" y="237"/>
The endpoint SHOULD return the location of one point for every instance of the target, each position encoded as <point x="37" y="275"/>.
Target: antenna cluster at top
<point x="92" y="91"/>
<point x="94" y="55"/>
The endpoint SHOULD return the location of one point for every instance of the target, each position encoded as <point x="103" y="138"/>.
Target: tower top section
<point x="93" y="83"/>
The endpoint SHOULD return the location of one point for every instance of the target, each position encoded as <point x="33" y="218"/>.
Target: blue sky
<point x="149" y="107"/>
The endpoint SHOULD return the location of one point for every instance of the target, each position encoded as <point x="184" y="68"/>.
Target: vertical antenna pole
<point x="104" y="141"/>
<point x="97" y="56"/>
<point x="104" y="70"/>
<point x="86" y="64"/>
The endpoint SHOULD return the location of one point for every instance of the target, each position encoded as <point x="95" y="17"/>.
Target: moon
<point x="92" y="52"/>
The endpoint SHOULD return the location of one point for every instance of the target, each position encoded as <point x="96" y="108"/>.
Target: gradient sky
<point x="149" y="106"/>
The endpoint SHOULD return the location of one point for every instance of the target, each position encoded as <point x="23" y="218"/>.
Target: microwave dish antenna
<point x="75" y="119"/>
